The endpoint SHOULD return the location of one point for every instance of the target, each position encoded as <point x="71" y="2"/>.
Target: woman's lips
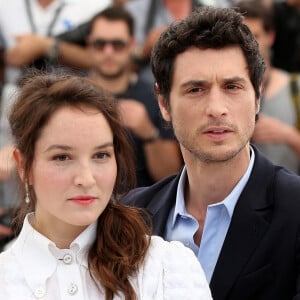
<point x="83" y="200"/>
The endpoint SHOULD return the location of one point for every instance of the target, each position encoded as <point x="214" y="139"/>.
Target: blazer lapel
<point x="248" y="225"/>
<point x="161" y="204"/>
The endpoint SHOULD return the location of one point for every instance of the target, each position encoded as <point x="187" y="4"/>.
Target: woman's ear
<point x="18" y="157"/>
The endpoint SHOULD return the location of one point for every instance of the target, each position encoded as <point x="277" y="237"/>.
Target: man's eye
<point x="195" y="90"/>
<point x="232" y="87"/>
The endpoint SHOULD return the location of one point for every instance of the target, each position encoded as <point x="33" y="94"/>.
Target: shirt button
<point x="40" y="292"/>
<point x="67" y="259"/>
<point x="72" y="289"/>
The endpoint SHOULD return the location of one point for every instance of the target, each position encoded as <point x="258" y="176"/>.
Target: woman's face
<point x="74" y="170"/>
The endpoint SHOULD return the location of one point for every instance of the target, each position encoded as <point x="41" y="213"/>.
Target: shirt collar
<point x="229" y="202"/>
<point x="83" y="243"/>
<point x="38" y="256"/>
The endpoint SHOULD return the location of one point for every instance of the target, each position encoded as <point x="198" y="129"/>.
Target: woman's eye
<point x="102" y="155"/>
<point x="61" y="157"/>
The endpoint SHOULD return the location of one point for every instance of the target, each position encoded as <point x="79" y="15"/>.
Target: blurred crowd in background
<point x="113" y="45"/>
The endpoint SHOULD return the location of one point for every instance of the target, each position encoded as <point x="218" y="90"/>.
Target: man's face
<point x="212" y="104"/>
<point x="111" y="47"/>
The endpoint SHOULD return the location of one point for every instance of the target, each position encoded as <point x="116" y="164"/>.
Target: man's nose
<point x="216" y="104"/>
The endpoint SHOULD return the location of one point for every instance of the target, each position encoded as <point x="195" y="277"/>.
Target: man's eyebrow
<point x="235" y="79"/>
<point x="203" y="82"/>
<point x="193" y="83"/>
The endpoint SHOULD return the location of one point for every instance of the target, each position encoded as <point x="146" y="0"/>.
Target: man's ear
<point x="257" y="106"/>
<point x="162" y="104"/>
<point x="163" y="109"/>
<point x="18" y="157"/>
<point x="257" y="101"/>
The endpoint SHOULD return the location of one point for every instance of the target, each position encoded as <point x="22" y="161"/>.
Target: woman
<point x="74" y="162"/>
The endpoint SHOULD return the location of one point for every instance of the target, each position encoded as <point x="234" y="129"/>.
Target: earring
<point x="27" y="199"/>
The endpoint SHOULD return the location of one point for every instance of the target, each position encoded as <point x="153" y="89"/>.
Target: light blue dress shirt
<point x="181" y="226"/>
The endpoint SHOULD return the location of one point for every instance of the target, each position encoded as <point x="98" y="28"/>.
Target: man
<point x="111" y="45"/>
<point x="275" y="132"/>
<point x="237" y="211"/>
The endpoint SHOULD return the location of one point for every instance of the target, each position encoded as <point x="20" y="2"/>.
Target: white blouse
<point x="34" y="268"/>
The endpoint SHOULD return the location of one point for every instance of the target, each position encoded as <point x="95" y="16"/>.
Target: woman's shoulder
<point x="161" y="248"/>
<point x="174" y="256"/>
<point x="176" y="269"/>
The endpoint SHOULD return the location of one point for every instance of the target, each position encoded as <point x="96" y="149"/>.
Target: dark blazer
<point x="260" y="257"/>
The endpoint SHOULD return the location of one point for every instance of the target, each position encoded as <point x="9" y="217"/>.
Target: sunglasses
<point x="117" y="44"/>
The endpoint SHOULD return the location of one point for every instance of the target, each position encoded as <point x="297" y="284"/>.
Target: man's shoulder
<point x="284" y="191"/>
<point x="287" y="182"/>
<point x="144" y="195"/>
<point x="271" y="175"/>
<point x="270" y="187"/>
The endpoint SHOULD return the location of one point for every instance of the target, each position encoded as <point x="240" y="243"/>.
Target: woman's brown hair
<point x="122" y="234"/>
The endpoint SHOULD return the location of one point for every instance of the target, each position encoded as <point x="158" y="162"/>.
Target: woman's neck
<point x="59" y="233"/>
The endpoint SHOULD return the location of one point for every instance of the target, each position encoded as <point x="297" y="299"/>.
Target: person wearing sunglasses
<point x="117" y="44"/>
<point x="111" y="46"/>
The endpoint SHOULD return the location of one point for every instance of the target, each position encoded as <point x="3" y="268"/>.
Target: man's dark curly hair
<point x="206" y="27"/>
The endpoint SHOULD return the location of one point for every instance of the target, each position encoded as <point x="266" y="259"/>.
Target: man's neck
<point x="210" y="183"/>
<point x="115" y="86"/>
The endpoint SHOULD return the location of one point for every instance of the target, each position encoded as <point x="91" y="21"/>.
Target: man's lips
<point x="217" y="133"/>
<point x="217" y="130"/>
